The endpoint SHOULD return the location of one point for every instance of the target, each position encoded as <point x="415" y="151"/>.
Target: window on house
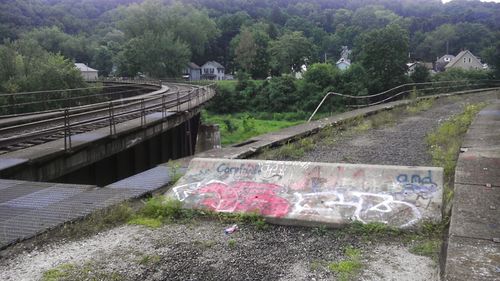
<point x="469" y="59"/>
<point x="464" y="59"/>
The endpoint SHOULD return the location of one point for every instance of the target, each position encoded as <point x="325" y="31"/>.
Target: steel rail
<point x="65" y="90"/>
<point x="82" y="107"/>
<point x="141" y="107"/>
<point x="101" y="109"/>
<point x="74" y="98"/>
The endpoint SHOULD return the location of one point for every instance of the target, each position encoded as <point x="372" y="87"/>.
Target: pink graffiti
<point x="244" y="196"/>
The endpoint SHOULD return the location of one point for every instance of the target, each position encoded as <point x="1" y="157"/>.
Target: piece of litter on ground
<point x="231" y="229"/>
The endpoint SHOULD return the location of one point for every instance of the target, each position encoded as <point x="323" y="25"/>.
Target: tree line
<point x="261" y="38"/>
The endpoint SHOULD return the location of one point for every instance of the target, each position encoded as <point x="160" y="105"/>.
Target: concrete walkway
<point x="474" y="236"/>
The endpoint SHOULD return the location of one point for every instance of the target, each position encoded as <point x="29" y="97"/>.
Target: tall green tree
<point x="421" y="74"/>
<point x="290" y="51"/>
<point x="157" y="55"/>
<point x="186" y="23"/>
<point x="251" y="50"/>
<point x="384" y="53"/>
<point x="496" y="60"/>
<point x="26" y="66"/>
<point x="246" y="50"/>
<point x="322" y="74"/>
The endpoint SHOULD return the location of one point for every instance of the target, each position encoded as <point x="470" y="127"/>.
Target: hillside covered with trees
<point x="254" y="38"/>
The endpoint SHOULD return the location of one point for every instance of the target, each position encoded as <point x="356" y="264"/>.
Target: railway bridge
<point x="100" y="134"/>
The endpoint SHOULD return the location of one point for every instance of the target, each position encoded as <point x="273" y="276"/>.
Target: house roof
<point x="193" y="65"/>
<point x="216" y="64"/>
<point x="84" y="67"/>
<point x="459" y="57"/>
<point x="446" y="58"/>
<point x="343" y="60"/>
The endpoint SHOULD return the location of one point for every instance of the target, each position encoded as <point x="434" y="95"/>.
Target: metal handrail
<point x="462" y="83"/>
<point x="164" y="105"/>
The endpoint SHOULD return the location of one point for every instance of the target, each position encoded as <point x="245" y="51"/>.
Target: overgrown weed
<point x="421" y="105"/>
<point x="347" y="269"/>
<point x="382" y="118"/>
<point x="89" y="271"/>
<point x="175" y="174"/>
<point x="444" y="143"/>
<point x="97" y="221"/>
<point x="160" y="209"/>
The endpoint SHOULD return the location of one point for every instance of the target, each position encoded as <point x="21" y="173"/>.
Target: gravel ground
<point x="401" y="144"/>
<point x="199" y="250"/>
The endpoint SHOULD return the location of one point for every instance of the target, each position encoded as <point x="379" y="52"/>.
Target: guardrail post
<point x="189" y="139"/>
<point x="163" y="107"/>
<point x="143" y="113"/>
<point x="67" y="131"/>
<point x="189" y="99"/>
<point x="178" y="102"/>
<point x="112" y="124"/>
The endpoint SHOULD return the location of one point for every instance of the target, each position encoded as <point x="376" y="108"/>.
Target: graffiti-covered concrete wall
<point x="313" y="193"/>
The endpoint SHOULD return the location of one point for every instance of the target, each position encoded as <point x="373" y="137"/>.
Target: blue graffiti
<point x="422" y="187"/>
<point x="415" y="179"/>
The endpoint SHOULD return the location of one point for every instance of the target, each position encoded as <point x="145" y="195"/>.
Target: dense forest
<point x="253" y="38"/>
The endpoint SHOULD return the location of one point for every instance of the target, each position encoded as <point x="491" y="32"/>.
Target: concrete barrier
<point x="306" y="193"/>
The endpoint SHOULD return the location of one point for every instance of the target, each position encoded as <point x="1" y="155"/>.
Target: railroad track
<point x="52" y="125"/>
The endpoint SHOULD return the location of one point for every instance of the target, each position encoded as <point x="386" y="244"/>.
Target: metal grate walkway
<point x="30" y="208"/>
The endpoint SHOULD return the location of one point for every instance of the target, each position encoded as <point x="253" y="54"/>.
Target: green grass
<point x="71" y="272"/>
<point x="290" y="150"/>
<point x="382" y="118"/>
<point x="205" y="244"/>
<point x="239" y="127"/>
<point x="149" y="222"/>
<point x="174" y="171"/>
<point x="149" y="259"/>
<point x="160" y="209"/>
<point x="429" y="248"/>
<point x="444" y="145"/>
<point x="231" y="84"/>
<point x="57" y="273"/>
<point x="95" y="222"/>
<point x="231" y="243"/>
<point x="421" y="105"/>
<point x="228" y="84"/>
<point x="347" y="269"/>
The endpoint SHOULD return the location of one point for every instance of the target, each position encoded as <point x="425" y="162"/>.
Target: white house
<point x="87" y="72"/>
<point x="465" y="60"/>
<point x="192" y="72"/>
<point x="343" y="63"/>
<point x="212" y="70"/>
